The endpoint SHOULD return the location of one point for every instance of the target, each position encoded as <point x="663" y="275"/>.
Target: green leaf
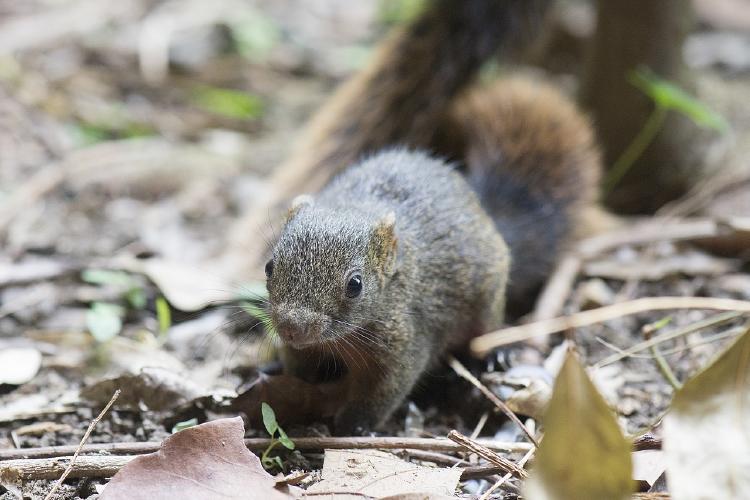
<point x="285" y="440"/>
<point x="228" y="102"/>
<point x="671" y="97"/>
<point x="707" y="429"/>
<point x="583" y="454"/>
<point x="180" y="426"/>
<point x="269" y="418"/>
<point x="109" y="277"/>
<point x="277" y="461"/>
<point x="136" y="297"/>
<point x="163" y="315"/>
<point x="104" y="320"/>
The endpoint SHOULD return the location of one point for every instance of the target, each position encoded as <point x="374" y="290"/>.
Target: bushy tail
<point x="402" y="95"/>
<point x="530" y="154"/>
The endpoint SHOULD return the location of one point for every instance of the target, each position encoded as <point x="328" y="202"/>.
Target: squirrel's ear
<point x="297" y="203"/>
<point x="384" y="244"/>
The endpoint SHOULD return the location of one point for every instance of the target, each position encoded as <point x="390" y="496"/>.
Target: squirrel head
<point x="327" y="271"/>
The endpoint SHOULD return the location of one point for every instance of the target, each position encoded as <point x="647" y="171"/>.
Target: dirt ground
<point x="136" y="151"/>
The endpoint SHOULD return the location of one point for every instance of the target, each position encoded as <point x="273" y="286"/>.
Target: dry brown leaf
<point x="292" y="399"/>
<point x="382" y="475"/>
<point x="206" y="461"/>
<point x="583" y="454"/>
<point x="707" y="430"/>
<point x="157" y="389"/>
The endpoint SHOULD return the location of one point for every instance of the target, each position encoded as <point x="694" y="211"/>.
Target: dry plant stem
<point x="482" y="345"/>
<point x="699" y="325"/>
<point x="503" y="479"/>
<point x="558" y="288"/>
<point x="466" y="374"/>
<point x="650" y="231"/>
<point x="100" y="466"/>
<point x="487" y="454"/>
<point x="260" y="444"/>
<point x="80" y="445"/>
<point x="664" y="367"/>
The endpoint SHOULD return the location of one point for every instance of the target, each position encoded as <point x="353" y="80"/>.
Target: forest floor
<point x="133" y="134"/>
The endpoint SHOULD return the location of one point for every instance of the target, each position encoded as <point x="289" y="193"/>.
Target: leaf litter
<point x="162" y="208"/>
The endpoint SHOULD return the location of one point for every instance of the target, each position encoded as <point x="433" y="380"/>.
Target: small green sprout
<point x="666" y="97"/>
<point x="181" y="426"/>
<point x="163" y="315"/>
<point x="273" y="428"/>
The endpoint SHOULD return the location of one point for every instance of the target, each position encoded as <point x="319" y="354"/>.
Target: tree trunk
<point x="632" y="34"/>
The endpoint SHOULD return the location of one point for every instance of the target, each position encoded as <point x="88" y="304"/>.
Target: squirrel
<point x="453" y="200"/>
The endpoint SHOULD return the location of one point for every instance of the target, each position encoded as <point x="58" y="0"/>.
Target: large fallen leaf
<point x="707" y="430"/>
<point x="378" y="474"/>
<point x="583" y="454"/>
<point x="206" y="461"/>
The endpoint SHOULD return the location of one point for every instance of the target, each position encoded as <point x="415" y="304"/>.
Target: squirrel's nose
<point x="291" y="332"/>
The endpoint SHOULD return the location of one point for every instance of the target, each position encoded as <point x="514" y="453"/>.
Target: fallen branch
<point x="483" y="344"/>
<point x="487" y="454"/>
<point x="17" y="471"/>
<point x="85" y="438"/>
<point x="101" y="466"/>
<point x="507" y="476"/>
<point x="461" y="371"/>
<point x="260" y="444"/>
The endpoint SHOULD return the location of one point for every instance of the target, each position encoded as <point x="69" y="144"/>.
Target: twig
<point x="558" y="287"/>
<point x="487" y="454"/>
<point x="698" y="325"/>
<point x="80" y="445"/>
<point x="17" y="471"/>
<point x="260" y="444"/>
<point x="466" y="374"/>
<point x="483" y="344"/>
<point x="650" y="231"/>
<point x="503" y="479"/>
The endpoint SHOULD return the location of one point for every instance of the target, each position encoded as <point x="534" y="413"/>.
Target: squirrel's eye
<point x="354" y="286"/>
<point x="269" y="268"/>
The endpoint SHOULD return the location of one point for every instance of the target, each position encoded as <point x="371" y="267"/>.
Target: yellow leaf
<point x="707" y="430"/>
<point x="583" y="455"/>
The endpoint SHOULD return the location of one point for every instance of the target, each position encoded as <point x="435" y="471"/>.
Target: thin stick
<point x="557" y="290"/>
<point x="466" y="374"/>
<point x="80" y="445"/>
<point x="664" y="367"/>
<point x="260" y="444"/>
<point x="503" y="479"/>
<point x="487" y="454"/>
<point x="482" y="345"/>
